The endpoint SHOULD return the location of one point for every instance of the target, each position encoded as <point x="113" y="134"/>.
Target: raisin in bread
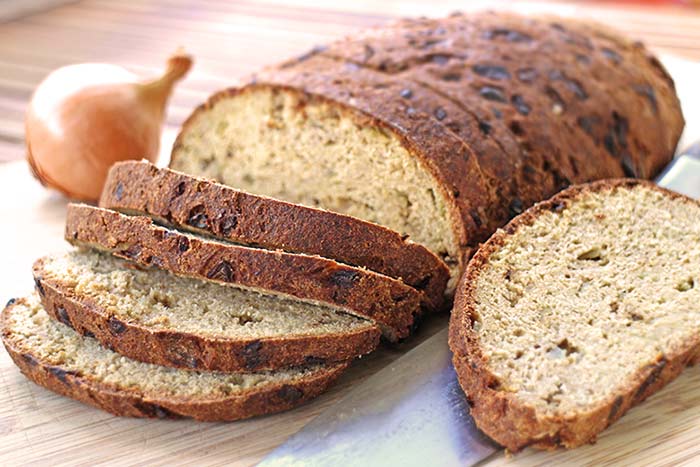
<point x="54" y="356"/>
<point x="441" y="129"/>
<point x="178" y="200"/>
<point x="156" y="317"/>
<point x="388" y="302"/>
<point x="580" y="308"/>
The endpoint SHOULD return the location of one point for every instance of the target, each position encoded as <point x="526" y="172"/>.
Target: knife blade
<point x="413" y="412"/>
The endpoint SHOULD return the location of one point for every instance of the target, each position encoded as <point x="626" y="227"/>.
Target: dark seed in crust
<point x="198" y="217"/>
<point x="648" y="92"/>
<point x="222" y="272"/>
<point x="476" y="218"/>
<point x="119" y="191"/>
<point x="63" y="316"/>
<point x="29" y="358"/>
<point x="132" y="251"/>
<point x="228" y="224"/>
<point x="252" y="356"/>
<point x="10" y="302"/>
<point x="492" y="93"/>
<point x="657" y="368"/>
<point x="182" y="358"/>
<point x="183" y="244"/>
<point x="180" y="189"/>
<point x="115" y="326"/>
<point x="344" y="278"/>
<point x="153" y="410"/>
<point x="61" y="374"/>
<point x="527" y="75"/>
<point x="484" y="127"/>
<point x="515" y="207"/>
<point x="587" y="123"/>
<point x="520" y="104"/>
<point x="313" y="360"/>
<point x="494" y="72"/>
<point x="39" y="287"/>
<point x="555" y="97"/>
<point x="423" y="283"/>
<point x="290" y="393"/>
<point x="508" y="35"/>
<point x="615" y="408"/>
<point x="87" y="333"/>
<point x="558" y="206"/>
<point x="611" y="55"/>
<point x="406" y="93"/>
<point x="628" y="166"/>
<point x="440" y="113"/>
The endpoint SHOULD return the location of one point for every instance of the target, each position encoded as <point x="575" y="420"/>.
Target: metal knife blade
<point x="413" y="412"/>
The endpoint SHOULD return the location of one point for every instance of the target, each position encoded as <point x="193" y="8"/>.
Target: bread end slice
<point x="577" y="310"/>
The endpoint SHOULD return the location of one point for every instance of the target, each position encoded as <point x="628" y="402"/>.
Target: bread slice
<point x="156" y="317"/>
<point x="581" y="307"/>
<point x="206" y="207"/>
<point x="388" y="302"/>
<point x="56" y="357"/>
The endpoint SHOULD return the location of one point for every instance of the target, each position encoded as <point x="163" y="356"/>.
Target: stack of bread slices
<point x="184" y="297"/>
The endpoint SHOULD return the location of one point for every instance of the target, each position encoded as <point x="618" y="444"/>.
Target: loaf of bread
<point x="580" y="308"/>
<point x="54" y="356"/>
<point x="194" y="204"/>
<point x="441" y="130"/>
<point x="391" y="304"/>
<point x="156" y="317"/>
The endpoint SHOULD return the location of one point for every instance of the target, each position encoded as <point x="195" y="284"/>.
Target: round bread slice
<point x="388" y="302"/>
<point x="580" y="308"/>
<point x="56" y="357"/>
<point x="206" y="207"/>
<point x="156" y="317"/>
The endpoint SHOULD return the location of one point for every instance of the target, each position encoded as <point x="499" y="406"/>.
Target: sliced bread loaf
<point x="388" y="302"/>
<point x="442" y="129"/>
<point x="581" y="307"/>
<point x="156" y="317"/>
<point x="195" y="204"/>
<point x="56" y="357"/>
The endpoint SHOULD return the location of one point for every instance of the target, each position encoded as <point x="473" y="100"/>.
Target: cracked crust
<point x="388" y="302"/>
<point x="187" y="350"/>
<point x="259" y="400"/>
<point x="207" y="207"/>
<point x="500" y="414"/>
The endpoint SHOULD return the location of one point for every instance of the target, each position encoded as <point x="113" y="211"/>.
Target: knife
<point x="413" y="412"/>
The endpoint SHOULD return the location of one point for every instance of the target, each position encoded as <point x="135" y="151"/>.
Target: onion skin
<point x="84" y="118"/>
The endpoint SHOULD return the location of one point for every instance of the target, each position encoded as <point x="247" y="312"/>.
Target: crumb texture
<point x="570" y="307"/>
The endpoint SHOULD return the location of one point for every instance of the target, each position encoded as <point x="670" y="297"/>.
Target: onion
<point x="84" y="118"/>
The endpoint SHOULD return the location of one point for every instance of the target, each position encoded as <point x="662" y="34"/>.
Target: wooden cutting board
<point x="39" y="427"/>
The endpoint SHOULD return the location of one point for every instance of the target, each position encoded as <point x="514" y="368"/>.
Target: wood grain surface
<point x="230" y="40"/>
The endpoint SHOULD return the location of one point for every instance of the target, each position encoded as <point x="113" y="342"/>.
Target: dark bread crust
<point x="620" y="115"/>
<point x="188" y="350"/>
<point x="575" y="60"/>
<point x="388" y="302"/>
<point x="204" y="206"/>
<point x="127" y="402"/>
<point x="500" y="414"/>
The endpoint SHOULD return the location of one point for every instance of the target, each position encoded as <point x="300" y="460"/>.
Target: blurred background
<point x="230" y="39"/>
